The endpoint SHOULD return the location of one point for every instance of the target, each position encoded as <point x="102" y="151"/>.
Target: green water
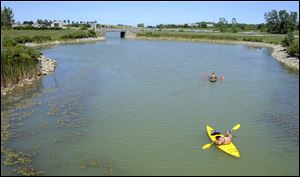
<point x="135" y="107"/>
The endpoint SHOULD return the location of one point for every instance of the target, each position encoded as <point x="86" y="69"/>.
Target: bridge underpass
<point x="124" y="33"/>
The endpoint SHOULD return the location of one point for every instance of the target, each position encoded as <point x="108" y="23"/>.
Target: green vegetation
<point x="288" y="39"/>
<point x="281" y="22"/>
<point x="80" y="34"/>
<point x="54" y="34"/>
<point x="17" y="62"/>
<point x="267" y="38"/>
<point x="222" y="26"/>
<point x="276" y="22"/>
<point x="293" y="49"/>
<point x="140" y="25"/>
<point x="6" y="17"/>
<point x="291" y="43"/>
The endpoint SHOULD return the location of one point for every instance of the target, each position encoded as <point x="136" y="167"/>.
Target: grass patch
<point x="266" y="38"/>
<point x="17" y="63"/>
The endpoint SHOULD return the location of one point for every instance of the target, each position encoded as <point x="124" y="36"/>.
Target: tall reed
<point x="17" y="63"/>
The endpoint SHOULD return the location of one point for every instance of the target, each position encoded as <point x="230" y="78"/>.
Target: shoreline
<point x="70" y="41"/>
<point x="277" y="51"/>
<point x="45" y="67"/>
<point x="45" y="64"/>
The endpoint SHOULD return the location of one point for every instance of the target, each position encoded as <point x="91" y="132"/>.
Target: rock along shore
<point x="45" y="66"/>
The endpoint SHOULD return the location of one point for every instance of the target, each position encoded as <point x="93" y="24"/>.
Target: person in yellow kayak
<point x="223" y="140"/>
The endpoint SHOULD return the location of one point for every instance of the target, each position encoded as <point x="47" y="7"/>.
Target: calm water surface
<point x="135" y="107"/>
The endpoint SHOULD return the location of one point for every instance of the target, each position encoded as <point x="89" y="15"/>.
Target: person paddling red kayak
<point x="212" y="77"/>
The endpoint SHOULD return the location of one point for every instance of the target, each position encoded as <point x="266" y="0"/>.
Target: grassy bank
<point x="40" y="36"/>
<point x="54" y="34"/>
<point x="17" y="63"/>
<point x="266" y="38"/>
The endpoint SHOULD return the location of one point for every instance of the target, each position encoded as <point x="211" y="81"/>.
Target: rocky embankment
<point x="282" y="56"/>
<point x="45" y="66"/>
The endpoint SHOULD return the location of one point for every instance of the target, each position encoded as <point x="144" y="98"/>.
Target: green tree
<point x="203" y="25"/>
<point x="292" y="21"/>
<point x="261" y="27"/>
<point x="6" y="17"/>
<point x="233" y="21"/>
<point x="234" y="25"/>
<point x="288" y="39"/>
<point x="281" y="22"/>
<point x="40" y="21"/>
<point x="28" y="23"/>
<point x="47" y="23"/>
<point x="160" y="26"/>
<point x="222" y="24"/>
<point x="272" y="20"/>
<point x="140" y="25"/>
<point x="293" y="49"/>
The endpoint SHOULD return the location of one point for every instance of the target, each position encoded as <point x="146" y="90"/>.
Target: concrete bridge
<point x="124" y="32"/>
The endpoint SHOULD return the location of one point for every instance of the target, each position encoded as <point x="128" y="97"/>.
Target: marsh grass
<point x="18" y="63"/>
<point x="267" y="38"/>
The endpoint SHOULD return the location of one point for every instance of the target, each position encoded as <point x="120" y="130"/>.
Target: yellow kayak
<point x="228" y="148"/>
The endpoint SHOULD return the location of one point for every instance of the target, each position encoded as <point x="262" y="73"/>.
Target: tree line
<point x="277" y="22"/>
<point x="281" y="22"/>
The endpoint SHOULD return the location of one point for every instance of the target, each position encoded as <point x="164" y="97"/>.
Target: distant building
<point x="58" y="23"/>
<point x="36" y="25"/>
<point x="17" y="24"/>
<point x="193" y="25"/>
<point x="93" y="25"/>
<point x="209" y="25"/>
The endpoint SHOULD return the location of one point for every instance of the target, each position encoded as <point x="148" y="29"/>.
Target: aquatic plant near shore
<point x="108" y="169"/>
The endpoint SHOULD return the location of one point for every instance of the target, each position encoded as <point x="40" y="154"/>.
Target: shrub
<point x="23" y="39"/>
<point x="7" y="42"/>
<point x="293" y="49"/>
<point x="18" y="62"/>
<point x="80" y="34"/>
<point x="288" y="39"/>
<point x="40" y="39"/>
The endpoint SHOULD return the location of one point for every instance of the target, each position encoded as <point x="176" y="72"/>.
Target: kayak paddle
<point x="206" y="146"/>
<point x="237" y="126"/>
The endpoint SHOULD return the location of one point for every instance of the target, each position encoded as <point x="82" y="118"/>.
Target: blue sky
<point x="150" y="13"/>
